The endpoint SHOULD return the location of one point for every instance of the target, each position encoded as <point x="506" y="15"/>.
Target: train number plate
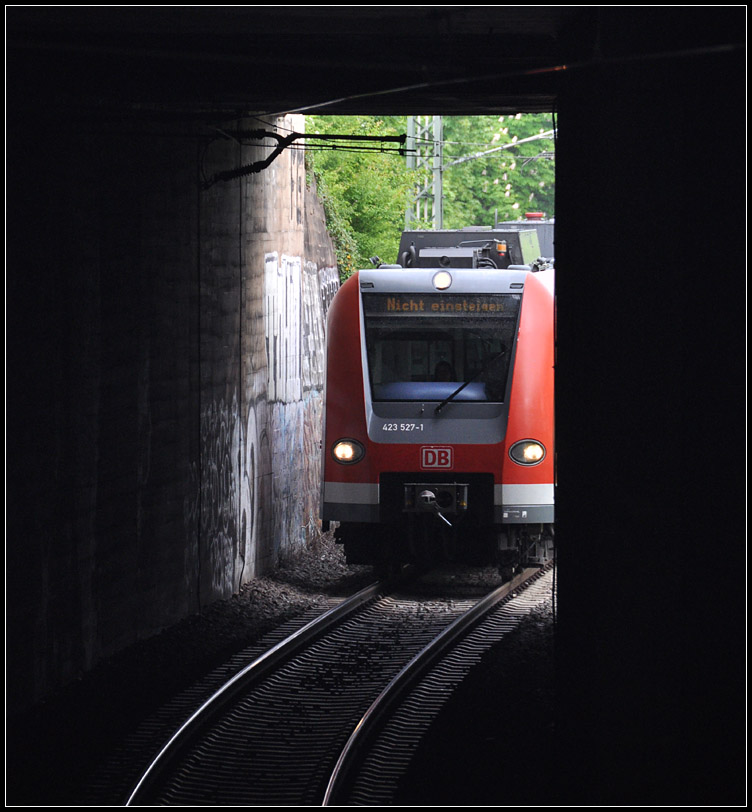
<point x="436" y="457"/>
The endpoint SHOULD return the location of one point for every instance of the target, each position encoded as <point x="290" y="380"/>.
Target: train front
<point x="439" y="416"/>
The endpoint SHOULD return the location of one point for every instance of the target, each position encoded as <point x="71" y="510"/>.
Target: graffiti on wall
<point x="255" y="489"/>
<point x="212" y="508"/>
<point x="230" y="491"/>
<point x="282" y="312"/>
<point x="328" y="287"/>
<point x="297" y="294"/>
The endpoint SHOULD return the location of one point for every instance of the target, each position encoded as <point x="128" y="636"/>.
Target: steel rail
<point x="369" y="725"/>
<point x="255" y="670"/>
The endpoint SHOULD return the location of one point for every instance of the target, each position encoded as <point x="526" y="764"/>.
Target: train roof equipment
<point x="473" y="247"/>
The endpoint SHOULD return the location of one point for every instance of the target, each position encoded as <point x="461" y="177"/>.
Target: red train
<point x="439" y="415"/>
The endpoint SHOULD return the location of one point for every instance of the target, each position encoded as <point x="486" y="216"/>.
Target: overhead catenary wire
<point x="423" y="141"/>
<point x="538" y="137"/>
<point x="290" y="141"/>
<point x="284" y="142"/>
<point x="495" y="77"/>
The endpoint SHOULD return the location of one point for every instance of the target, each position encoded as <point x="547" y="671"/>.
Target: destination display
<point x="438" y="304"/>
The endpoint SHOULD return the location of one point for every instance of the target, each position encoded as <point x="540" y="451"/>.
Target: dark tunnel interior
<point x="650" y="397"/>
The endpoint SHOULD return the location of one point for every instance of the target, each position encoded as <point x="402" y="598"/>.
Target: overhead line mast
<point x="425" y="155"/>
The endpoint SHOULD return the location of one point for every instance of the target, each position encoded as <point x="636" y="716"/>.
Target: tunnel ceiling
<point x="345" y="59"/>
<point x="275" y="59"/>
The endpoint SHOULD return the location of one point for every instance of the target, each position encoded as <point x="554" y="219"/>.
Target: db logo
<point x="433" y="457"/>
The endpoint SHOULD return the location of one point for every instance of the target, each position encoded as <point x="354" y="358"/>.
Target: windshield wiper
<point x="469" y="381"/>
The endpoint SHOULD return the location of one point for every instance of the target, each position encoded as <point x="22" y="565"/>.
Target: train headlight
<point x="527" y="452"/>
<point x="348" y="451"/>
<point x="442" y="280"/>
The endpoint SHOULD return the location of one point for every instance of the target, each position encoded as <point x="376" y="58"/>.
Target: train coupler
<point x="436" y="498"/>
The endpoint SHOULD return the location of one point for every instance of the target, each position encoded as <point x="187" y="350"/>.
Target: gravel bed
<point x="87" y="721"/>
<point x="64" y="739"/>
<point x="493" y="742"/>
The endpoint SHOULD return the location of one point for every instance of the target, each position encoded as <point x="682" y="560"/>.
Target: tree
<point x="364" y="190"/>
<point x="501" y="183"/>
<point x="494" y="168"/>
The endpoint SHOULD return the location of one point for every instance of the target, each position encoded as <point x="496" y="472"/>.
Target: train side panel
<point x="349" y="492"/>
<point x="525" y="493"/>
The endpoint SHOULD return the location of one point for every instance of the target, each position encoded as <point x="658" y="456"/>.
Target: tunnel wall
<point x="650" y="253"/>
<point x="165" y="343"/>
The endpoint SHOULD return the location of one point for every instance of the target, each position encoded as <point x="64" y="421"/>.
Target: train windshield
<point x="422" y="347"/>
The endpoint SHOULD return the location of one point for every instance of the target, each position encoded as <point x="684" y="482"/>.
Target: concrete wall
<point x="165" y="354"/>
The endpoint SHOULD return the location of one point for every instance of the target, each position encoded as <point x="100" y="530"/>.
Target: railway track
<point x="332" y="714"/>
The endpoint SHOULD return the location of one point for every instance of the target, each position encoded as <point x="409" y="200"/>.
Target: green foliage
<point x="364" y="191"/>
<point x="339" y="228"/>
<point x="504" y="183"/>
